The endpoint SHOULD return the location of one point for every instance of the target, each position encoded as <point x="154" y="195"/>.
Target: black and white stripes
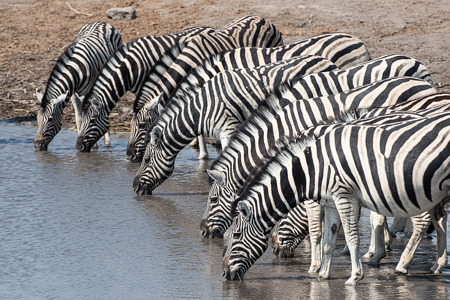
<point x="398" y="168"/>
<point x="253" y="30"/>
<point x="73" y="73"/>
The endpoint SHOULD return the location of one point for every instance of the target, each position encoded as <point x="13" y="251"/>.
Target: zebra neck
<point x="181" y="127"/>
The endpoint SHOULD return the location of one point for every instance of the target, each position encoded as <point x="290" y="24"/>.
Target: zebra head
<point x="246" y="243"/>
<point x="155" y="167"/>
<point x="49" y="119"/>
<point x="284" y="243"/>
<point x="140" y="124"/>
<point x="217" y="217"/>
<point x="94" y="124"/>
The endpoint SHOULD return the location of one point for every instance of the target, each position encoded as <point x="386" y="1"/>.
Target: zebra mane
<point x="288" y="150"/>
<point x="266" y="111"/>
<point x="114" y="60"/>
<point x="154" y="75"/>
<point x="171" y="109"/>
<point x="59" y="65"/>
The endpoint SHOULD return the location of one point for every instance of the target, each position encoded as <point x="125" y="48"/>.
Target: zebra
<point x="246" y="31"/>
<point x="342" y="49"/>
<point x="428" y="105"/>
<point x="285" y="241"/>
<point x="73" y="73"/>
<point x="395" y="169"/>
<point x="253" y="140"/>
<point x="196" y="113"/>
<point x="316" y="85"/>
<point x="126" y="69"/>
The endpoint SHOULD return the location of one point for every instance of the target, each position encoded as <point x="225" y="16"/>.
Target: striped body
<point x="215" y="110"/>
<point x="342" y="49"/>
<point x="73" y="73"/>
<point x="399" y="168"/>
<point x="266" y="126"/>
<point x="125" y="71"/>
<point x="246" y="31"/>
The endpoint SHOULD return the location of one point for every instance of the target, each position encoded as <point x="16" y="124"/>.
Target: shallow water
<point x="72" y="228"/>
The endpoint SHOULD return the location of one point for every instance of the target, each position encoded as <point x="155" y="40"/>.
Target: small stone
<point x="121" y="13"/>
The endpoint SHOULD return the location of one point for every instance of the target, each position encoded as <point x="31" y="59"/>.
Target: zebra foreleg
<point x="420" y="225"/>
<point x="108" y="138"/>
<point x="348" y="208"/>
<point x="202" y="147"/>
<point x="331" y="231"/>
<point x="315" y="212"/>
<point x="439" y="219"/>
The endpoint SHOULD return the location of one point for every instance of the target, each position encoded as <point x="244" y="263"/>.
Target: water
<point x="72" y="228"/>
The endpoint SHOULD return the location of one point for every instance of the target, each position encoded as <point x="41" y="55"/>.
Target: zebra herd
<point x="310" y="132"/>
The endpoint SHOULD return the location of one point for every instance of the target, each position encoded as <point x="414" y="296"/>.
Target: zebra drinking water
<point x="73" y="72"/>
<point x="396" y="169"/>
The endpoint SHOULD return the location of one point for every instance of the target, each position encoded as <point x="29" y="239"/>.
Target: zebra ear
<point x="244" y="210"/>
<point x="155" y="102"/>
<point x="160" y="108"/>
<point x="39" y="95"/>
<point x="61" y="98"/>
<point x="155" y="136"/>
<point x="217" y="176"/>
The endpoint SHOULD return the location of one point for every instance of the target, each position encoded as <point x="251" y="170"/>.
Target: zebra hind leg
<point x="108" y="138"/>
<point x="348" y="209"/>
<point x="420" y="225"/>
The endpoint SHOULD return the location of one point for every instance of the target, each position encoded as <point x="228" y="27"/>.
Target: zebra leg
<point x="202" y="147"/>
<point x="387" y="237"/>
<point x="439" y="219"/>
<point x="377" y="249"/>
<point x="348" y="209"/>
<point x="420" y="225"/>
<point x="108" y="138"/>
<point x="331" y="230"/>
<point x="398" y="225"/>
<point x="76" y="103"/>
<point x="314" y="212"/>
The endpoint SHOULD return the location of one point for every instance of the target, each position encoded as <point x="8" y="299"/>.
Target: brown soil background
<point x="34" y="33"/>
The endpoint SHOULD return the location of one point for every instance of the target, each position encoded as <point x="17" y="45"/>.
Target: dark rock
<point x="121" y="13"/>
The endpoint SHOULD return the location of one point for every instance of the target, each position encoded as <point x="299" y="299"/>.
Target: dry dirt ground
<point x="34" y="33"/>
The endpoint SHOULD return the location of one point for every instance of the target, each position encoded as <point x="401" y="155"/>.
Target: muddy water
<point x="72" y="228"/>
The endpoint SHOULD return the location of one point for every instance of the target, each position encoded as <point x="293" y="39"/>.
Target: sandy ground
<point x="34" y="33"/>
